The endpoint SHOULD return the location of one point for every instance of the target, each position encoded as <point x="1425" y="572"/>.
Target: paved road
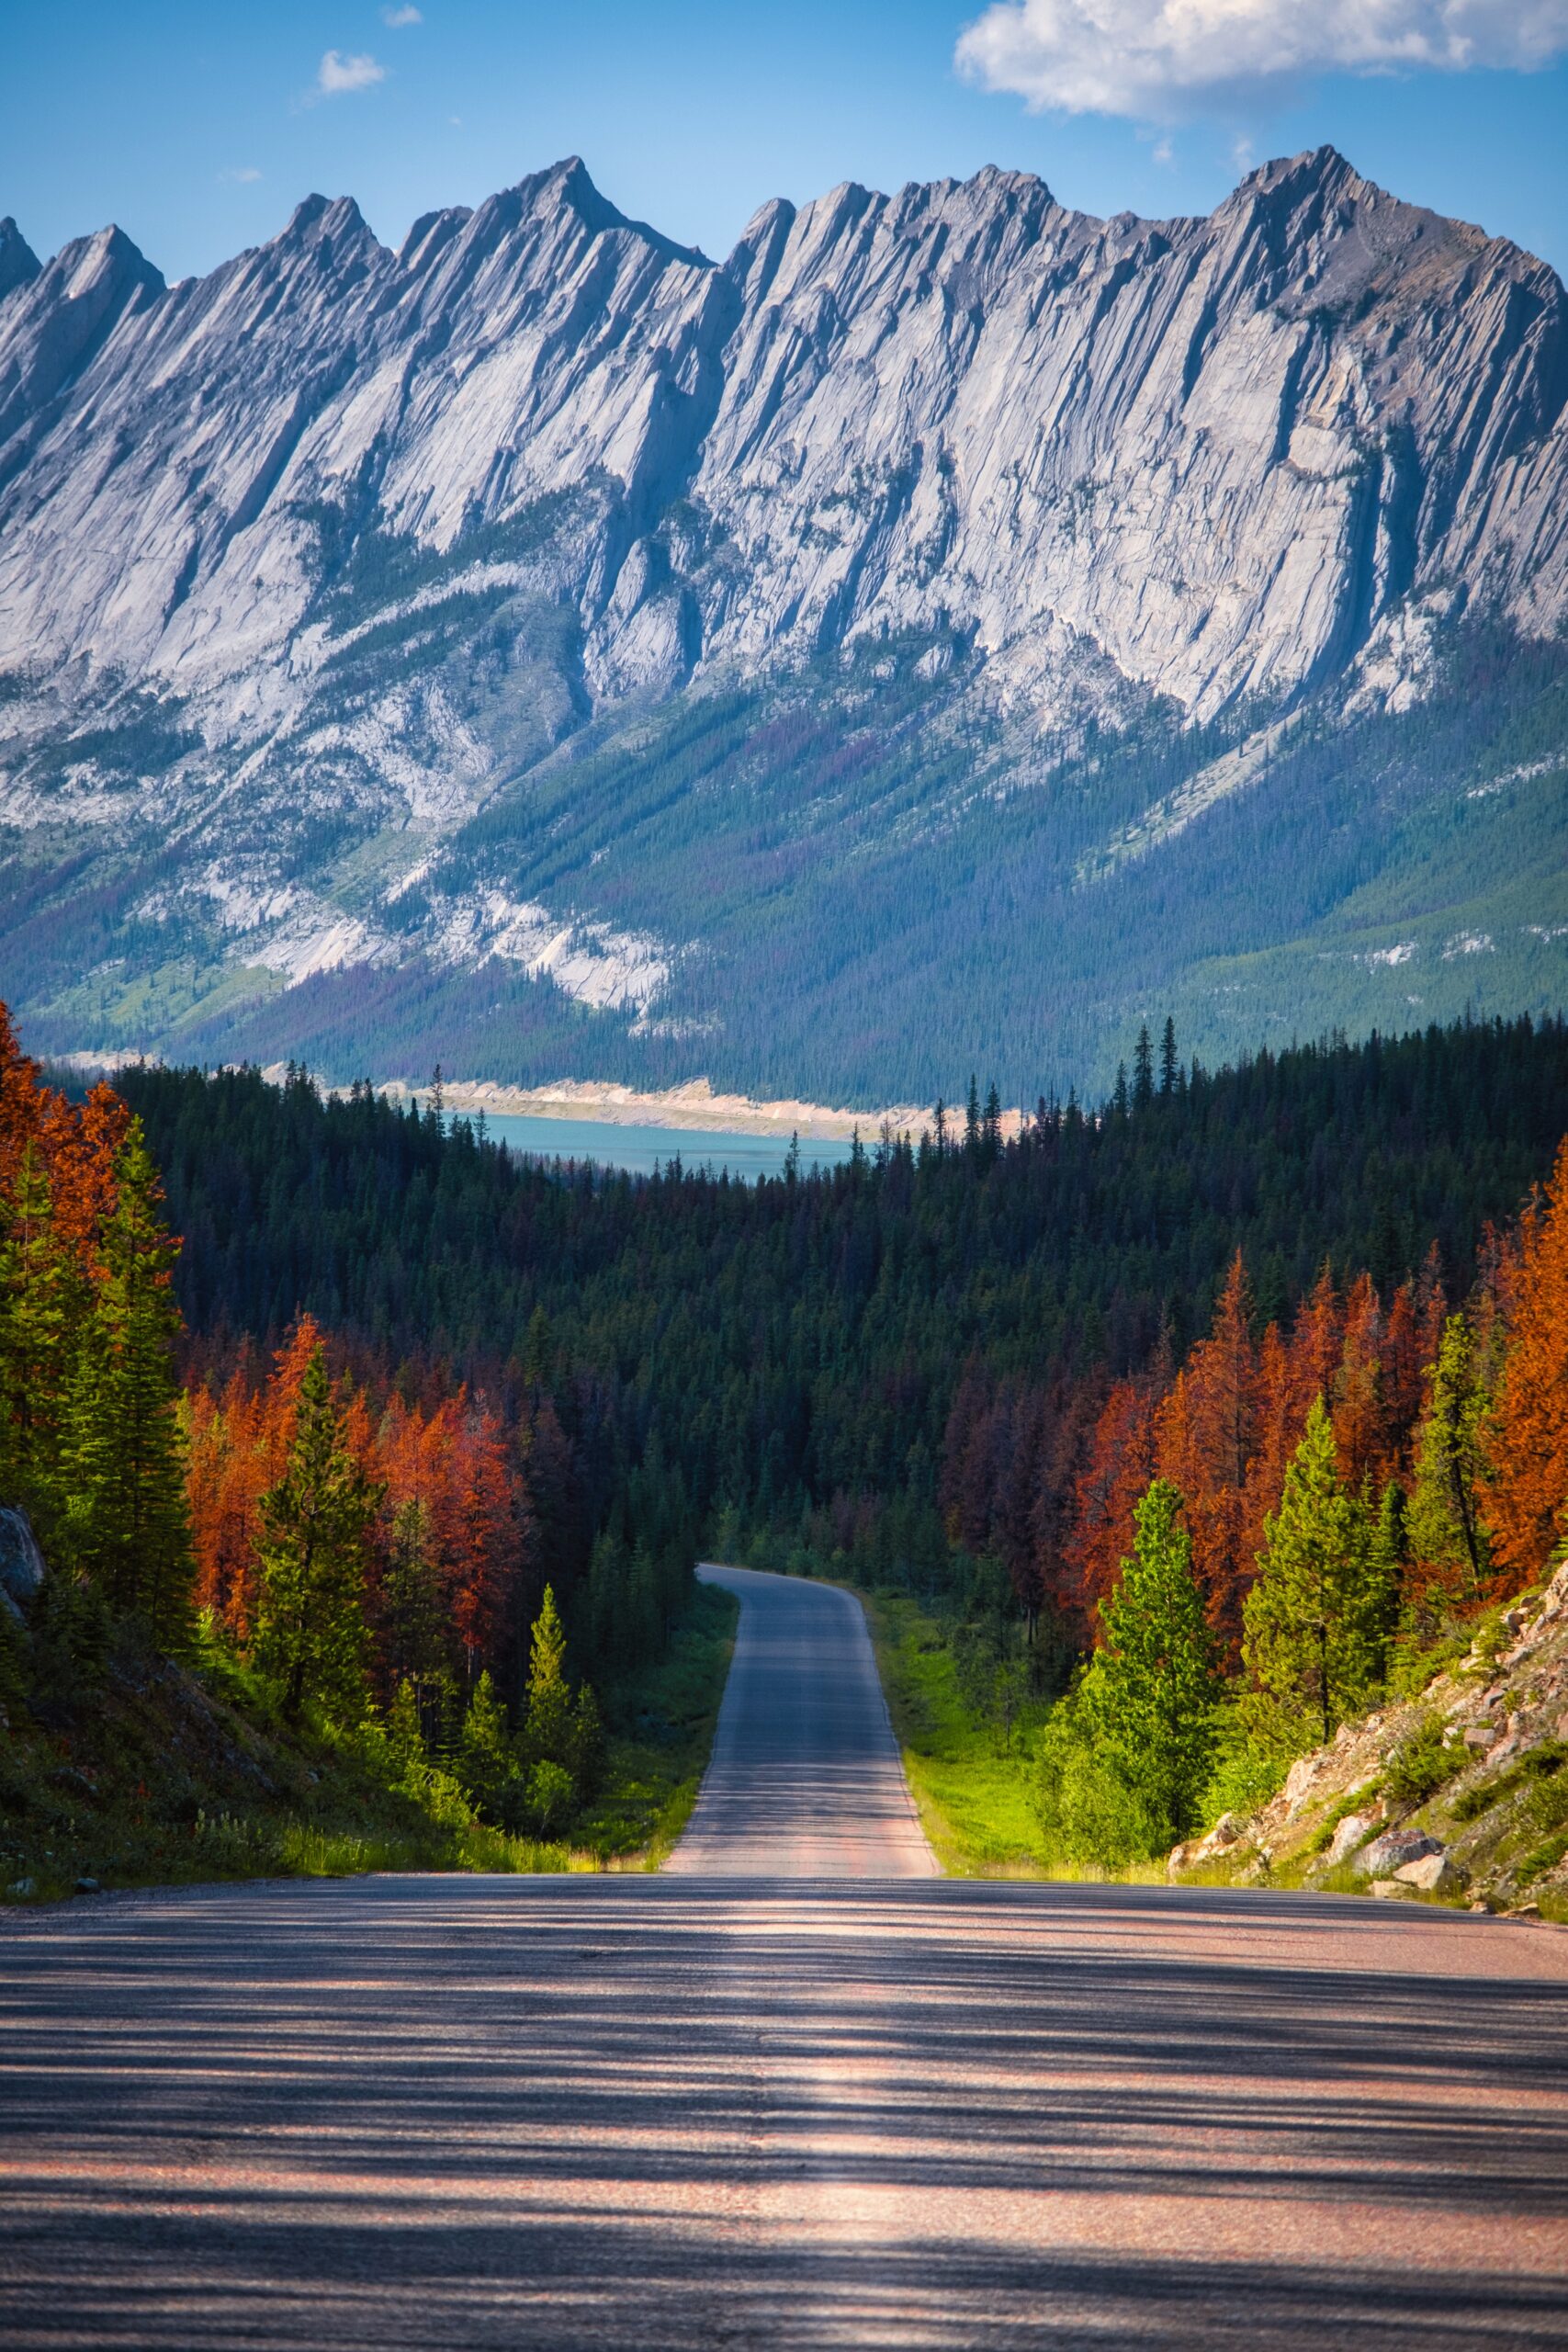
<point x="806" y="1779"/>
<point x="699" y="2111"/>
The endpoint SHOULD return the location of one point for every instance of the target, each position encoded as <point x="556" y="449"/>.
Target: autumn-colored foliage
<point x="1223" y="1427"/>
<point x="451" y="1457"/>
<point x="1525" y="1506"/>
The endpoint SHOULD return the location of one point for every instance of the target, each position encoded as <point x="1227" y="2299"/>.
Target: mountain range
<point x="940" y="636"/>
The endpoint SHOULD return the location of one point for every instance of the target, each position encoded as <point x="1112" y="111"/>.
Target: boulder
<point x="1433" y="1874"/>
<point x="1350" y="1834"/>
<point x="1393" y="1890"/>
<point x="1392" y="1850"/>
<point x="1480" y="1735"/>
<point x="1226" y="1832"/>
<point x="21" y="1563"/>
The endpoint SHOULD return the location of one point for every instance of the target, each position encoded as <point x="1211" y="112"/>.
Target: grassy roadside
<point x="969" y="1782"/>
<point x="152" y="1775"/>
<point x="661" y="1732"/>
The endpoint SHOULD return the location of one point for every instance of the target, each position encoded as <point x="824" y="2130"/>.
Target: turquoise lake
<point x="640" y="1149"/>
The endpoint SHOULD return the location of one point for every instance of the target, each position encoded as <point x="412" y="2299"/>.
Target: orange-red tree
<point x="1525" y="1505"/>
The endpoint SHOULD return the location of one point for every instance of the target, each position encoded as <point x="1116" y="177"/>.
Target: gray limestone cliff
<point x="341" y="528"/>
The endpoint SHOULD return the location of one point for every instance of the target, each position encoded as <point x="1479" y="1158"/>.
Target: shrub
<point x="550" y="1794"/>
<point x="1247" y="1771"/>
<point x="1422" y="1762"/>
<point x="1541" y="1764"/>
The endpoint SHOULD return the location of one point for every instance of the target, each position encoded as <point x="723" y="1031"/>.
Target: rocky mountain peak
<point x="18" y="262"/>
<point x="386" y="531"/>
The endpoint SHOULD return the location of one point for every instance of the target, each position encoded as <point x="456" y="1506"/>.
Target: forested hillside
<point x="984" y="1373"/>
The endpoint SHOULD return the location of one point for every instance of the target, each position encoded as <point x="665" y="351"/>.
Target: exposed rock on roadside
<point x="1484" y="1819"/>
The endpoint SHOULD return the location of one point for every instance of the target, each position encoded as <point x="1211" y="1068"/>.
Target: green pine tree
<point x="416" y="1624"/>
<point x="1447" y="1532"/>
<point x="587" y="1755"/>
<point x="310" y="1631"/>
<point x="405" y="1734"/>
<point x="487" y="1763"/>
<point x="1151" y="1691"/>
<point x="1318" y="1620"/>
<point x="127" y="1521"/>
<point x="41" y="1300"/>
<point x="548" y="1717"/>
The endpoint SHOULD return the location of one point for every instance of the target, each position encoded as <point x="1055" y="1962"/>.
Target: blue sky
<point x="198" y="128"/>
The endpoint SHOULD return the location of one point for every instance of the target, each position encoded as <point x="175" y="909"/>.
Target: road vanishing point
<point x="797" y="2089"/>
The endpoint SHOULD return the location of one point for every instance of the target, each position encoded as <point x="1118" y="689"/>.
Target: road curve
<point x="805" y="1778"/>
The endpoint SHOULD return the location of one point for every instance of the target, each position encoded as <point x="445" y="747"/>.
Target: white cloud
<point x="398" y="18"/>
<point x="337" y="73"/>
<point x="1153" y="58"/>
<point x="241" y="173"/>
<point x="1164" y="153"/>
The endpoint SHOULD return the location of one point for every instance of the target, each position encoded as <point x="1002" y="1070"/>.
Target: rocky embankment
<point x="1459" y="1795"/>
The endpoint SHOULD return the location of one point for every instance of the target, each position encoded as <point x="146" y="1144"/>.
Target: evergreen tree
<point x="587" y="1756"/>
<point x="991" y="1124"/>
<point x="40" y="1299"/>
<point x="538" y="1347"/>
<point x="1318" y="1618"/>
<point x="1445" y="1530"/>
<point x="1169" y="1067"/>
<point x="549" y="1719"/>
<point x="405" y="1735"/>
<point x="1151" y="1691"/>
<point x="127" y="1517"/>
<point x="487" y="1765"/>
<point x="310" y="1631"/>
<point x="1143" y="1070"/>
<point x="411" y="1601"/>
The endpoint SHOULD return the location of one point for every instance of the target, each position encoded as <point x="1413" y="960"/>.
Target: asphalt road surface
<point x="805" y="1778"/>
<point x="703" y="2110"/>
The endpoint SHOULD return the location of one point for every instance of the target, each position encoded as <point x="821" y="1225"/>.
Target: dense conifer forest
<point x="1264" y="1370"/>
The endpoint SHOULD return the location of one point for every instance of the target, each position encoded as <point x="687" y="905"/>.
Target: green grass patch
<point x="1541" y="1763"/>
<point x="661" y="1731"/>
<point x="158" y="1776"/>
<point x="970" y="1782"/>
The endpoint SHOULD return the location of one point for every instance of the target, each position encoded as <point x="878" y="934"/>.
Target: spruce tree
<point x="311" y="1631"/>
<point x="41" y="1299"/>
<point x="1151" y="1691"/>
<point x="127" y="1517"/>
<point x="1143" y="1071"/>
<point x="1169" y="1062"/>
<point x="549" y="1719"/>
<point x="587" y="1755"/>
<point x="405" y="1734"/>
<point x="486" y="1764"/>
<point x="410" y="1598"/>
<point x="1318" y="1618"/>
<point x="1447" y="1532"/>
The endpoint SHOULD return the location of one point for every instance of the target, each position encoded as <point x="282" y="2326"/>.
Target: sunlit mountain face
<point x="938" y="637"/>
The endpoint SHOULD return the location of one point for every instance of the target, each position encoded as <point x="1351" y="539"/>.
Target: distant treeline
<point x="811" y="1348"/>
